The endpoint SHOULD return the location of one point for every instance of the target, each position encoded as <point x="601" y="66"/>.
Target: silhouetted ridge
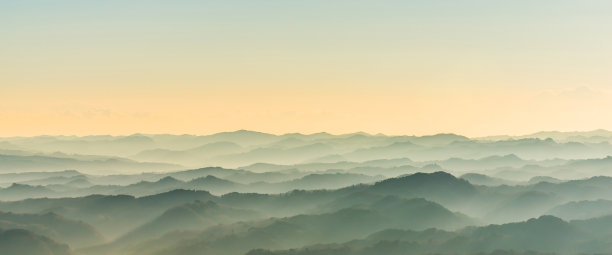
<point x="177" y="195"/>
<point x="194" y="215"/>
<point x="54" y="226"/>
<point x="425" y="181"/>
<point x="440" y="187"/>
<point x="546" y="233"/>
<point x="24" y="242"/>
<point x="210" y="179"/>
<point x="168" y="180"/>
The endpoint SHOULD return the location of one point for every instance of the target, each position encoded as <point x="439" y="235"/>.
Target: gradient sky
<point x="386" y="66"/>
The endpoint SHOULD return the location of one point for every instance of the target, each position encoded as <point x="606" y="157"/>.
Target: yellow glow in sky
<point x="396" y="67"/>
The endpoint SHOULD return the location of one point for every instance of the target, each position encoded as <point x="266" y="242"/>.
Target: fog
<point x="246" y="192"/>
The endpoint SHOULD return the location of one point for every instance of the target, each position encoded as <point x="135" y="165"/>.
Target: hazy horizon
<point x="313" y="127"/>
<point x="319" y="132"/>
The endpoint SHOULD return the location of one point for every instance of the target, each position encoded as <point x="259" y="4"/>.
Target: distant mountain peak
<point x="548" y="220"/>
<point x="168" y="179"/>
<point x="208" y="178"/>
<point x="420" y="179"/>
<point x="245" y="131"/>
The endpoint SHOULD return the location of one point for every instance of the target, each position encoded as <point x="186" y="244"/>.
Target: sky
<point x="476" y="68"/>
